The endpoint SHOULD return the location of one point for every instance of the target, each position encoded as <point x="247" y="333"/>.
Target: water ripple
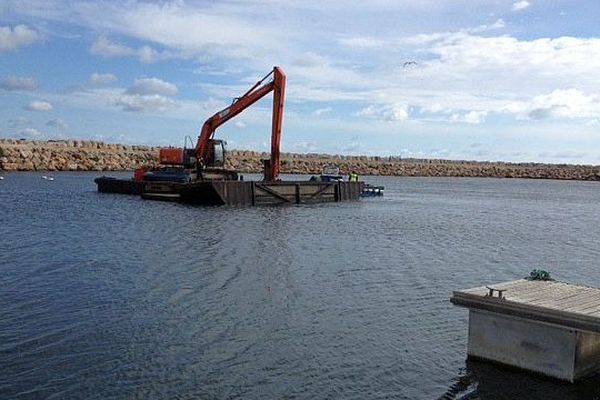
<point x="107" y="297"/>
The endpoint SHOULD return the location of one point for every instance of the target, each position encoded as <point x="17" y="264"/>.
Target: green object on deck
<point x="539" y="275"/>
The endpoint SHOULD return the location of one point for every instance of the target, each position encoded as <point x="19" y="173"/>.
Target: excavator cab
<point x="181" y="165"/>
<point x="214" y="164"/>
<point x="215" y="155"/>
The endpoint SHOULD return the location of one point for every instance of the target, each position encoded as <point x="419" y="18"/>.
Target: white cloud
<point x="58" y="123"/>
<point x="146" y="103"/>
<point x="520" y="5"/>
<point x="19" y="36"/>
<point x="322" y="111"/>
<point x="31" y="133"/>
<point x="434" y="108"/>
<point x="189" y="30"/>
<point x="471" y="117"/>
<point x="566" y="154"/>
<point x="369" y="111"/>
<point x="310" y="59"/>
<point x="500" y="52"/>
<point x="97" y="79"/>
<point x="313" y="92"/>
<point x="397" y="112"/>
<point x="465" y="72"/>
<point x="19" y="83"/>
<point x="570" y="103"/>
<point x="146" y="54"/>
<point x="304" y="147"/>
<point x="106" y="99"/>
<point x="499" y="24"/>
<point x="104" y="47"/>
<point x="352" y="147"/>
<point x="361" y="42"/>
<point x="390" y="112"/>
<point x="37" y="105"/>
<point x="458" y="73"/>
<point x="149" y="86"/>
<point x="18" y="122"/>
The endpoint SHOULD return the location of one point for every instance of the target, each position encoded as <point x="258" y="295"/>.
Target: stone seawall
<point x="71" y="155"/>
<point x="81" y="155"/>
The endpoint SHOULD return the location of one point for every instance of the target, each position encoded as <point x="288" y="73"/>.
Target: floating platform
<point x="244" y="193"/>
<point x="547" y="327"/>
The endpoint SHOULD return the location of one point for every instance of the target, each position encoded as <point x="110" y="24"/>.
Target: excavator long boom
<point x="255" y="93"/>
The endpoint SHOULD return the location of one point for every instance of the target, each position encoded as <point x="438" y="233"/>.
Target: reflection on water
<point x="481" y="380"/>
<point x="110" y="296"/>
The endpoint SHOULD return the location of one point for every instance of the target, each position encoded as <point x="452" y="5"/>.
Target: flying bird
<point x="408" y="64"/>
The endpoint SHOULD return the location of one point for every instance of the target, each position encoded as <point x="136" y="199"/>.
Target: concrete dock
<point x="547" y="327"/>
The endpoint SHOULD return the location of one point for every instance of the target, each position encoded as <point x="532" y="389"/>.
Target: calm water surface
<point x="108" y="296"/>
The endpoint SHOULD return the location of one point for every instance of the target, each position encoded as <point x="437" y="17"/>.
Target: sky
<point x="482" y="80"/>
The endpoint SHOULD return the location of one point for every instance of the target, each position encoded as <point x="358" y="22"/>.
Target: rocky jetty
<point x="72" y="155"/>
<point x="83" y="155"/>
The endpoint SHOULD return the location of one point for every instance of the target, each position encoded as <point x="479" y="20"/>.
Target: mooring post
<point x="491" y="292"/>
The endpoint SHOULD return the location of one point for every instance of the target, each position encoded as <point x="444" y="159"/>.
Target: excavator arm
<point x="255" y="93"/>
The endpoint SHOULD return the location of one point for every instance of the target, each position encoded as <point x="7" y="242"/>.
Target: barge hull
<point x="122" y="186"/>
<point x="239" y="193"/>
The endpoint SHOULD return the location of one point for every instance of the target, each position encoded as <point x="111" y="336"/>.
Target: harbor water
<point x="106" y="296"/>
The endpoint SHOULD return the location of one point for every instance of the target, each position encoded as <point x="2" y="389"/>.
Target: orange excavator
<point x="206" y="161"/>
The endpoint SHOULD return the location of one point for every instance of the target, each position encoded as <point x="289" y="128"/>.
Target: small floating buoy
<point x="50" y="178"/>
<point x="1" y="178"/>
<point x="44" y="177"/>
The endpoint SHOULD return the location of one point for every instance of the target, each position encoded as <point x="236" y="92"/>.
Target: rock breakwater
<point x="83" y="155"/>
<point x="72" y="155"/>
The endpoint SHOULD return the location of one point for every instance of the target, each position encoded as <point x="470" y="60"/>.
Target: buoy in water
<point x="44" y="177"/>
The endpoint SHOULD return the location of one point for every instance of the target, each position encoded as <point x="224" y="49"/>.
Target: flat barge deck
<point x="243" y="193"/>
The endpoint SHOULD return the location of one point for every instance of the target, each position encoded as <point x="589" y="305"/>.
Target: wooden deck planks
<point x="524" y="291"/>
<point x="580" y="301"/>
<point x="548" y="300"/>
<point x="588" y="309"/>
<point x="561" y="299"/>
<point x="556" y="295"/>
<point x="536" y="293"/>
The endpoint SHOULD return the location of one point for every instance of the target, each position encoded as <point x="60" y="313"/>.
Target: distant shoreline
<point x="85" y="155"/>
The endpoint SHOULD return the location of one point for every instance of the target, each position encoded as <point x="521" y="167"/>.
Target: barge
<point x="239" y="193"/>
